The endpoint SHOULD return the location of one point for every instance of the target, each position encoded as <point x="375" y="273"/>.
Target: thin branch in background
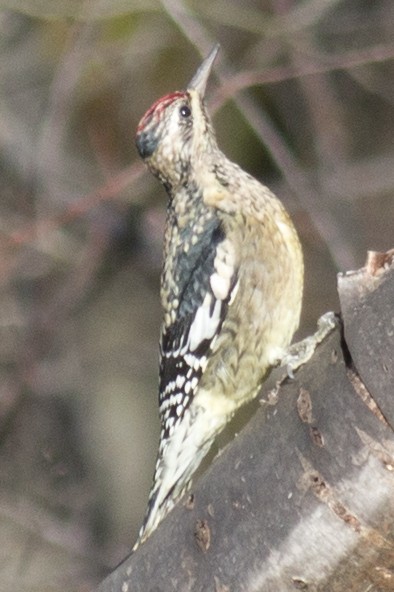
<point x="322" y="64"/>
<point x="27" y="235"/>
<point x="239" y="16"/>
<point x="49" y="160"/>
<point x="382" y="87"/>
<point x="111" y="190"/>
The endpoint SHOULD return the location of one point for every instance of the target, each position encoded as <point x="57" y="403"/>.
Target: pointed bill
<point x="200" y="79"/>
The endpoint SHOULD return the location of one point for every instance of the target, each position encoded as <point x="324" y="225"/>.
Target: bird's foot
<point x="299" y="353"/>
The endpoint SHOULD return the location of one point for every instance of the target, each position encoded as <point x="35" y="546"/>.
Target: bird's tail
<point x="159" y="505"/>
<point x="178" y="458"/>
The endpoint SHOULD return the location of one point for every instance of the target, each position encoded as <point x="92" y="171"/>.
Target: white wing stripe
<point x="204" y="326"/>
<point x="220" y="286"/>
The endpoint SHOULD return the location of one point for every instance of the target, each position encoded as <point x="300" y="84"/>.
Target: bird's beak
<point x="200" y="79"/>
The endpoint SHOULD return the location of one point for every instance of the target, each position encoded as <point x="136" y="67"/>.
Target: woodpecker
<point x="231" y="285"/>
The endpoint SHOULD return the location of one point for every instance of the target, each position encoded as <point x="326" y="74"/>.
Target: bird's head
<point x="177" y="129"/>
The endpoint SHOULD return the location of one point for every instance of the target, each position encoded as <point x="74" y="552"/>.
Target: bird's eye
<point x="185" y="111"/>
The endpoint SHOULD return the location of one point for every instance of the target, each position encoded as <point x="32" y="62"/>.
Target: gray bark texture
<point x="303" y="498"/>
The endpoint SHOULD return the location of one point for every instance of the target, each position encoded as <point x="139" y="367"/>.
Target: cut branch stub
<point x="368" y="314"/>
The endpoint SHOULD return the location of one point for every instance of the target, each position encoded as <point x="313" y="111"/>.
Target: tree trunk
<point x="303" y="498"/>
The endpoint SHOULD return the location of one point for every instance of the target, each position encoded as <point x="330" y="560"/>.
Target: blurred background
<point x="302" y="97"/>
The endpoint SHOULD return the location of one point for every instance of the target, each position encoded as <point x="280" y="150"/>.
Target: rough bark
<point x="303" y="498"/>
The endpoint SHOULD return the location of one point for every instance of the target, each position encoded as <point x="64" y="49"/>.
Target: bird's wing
<point x="206" y="293"/>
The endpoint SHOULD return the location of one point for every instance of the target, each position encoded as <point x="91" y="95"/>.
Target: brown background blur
<point x="303" y="96"/>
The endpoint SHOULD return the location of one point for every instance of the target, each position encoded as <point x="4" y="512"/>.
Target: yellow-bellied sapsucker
<point x="231" y="285"/>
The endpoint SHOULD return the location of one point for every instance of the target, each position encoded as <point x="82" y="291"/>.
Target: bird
<point x="231" y="286"/>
